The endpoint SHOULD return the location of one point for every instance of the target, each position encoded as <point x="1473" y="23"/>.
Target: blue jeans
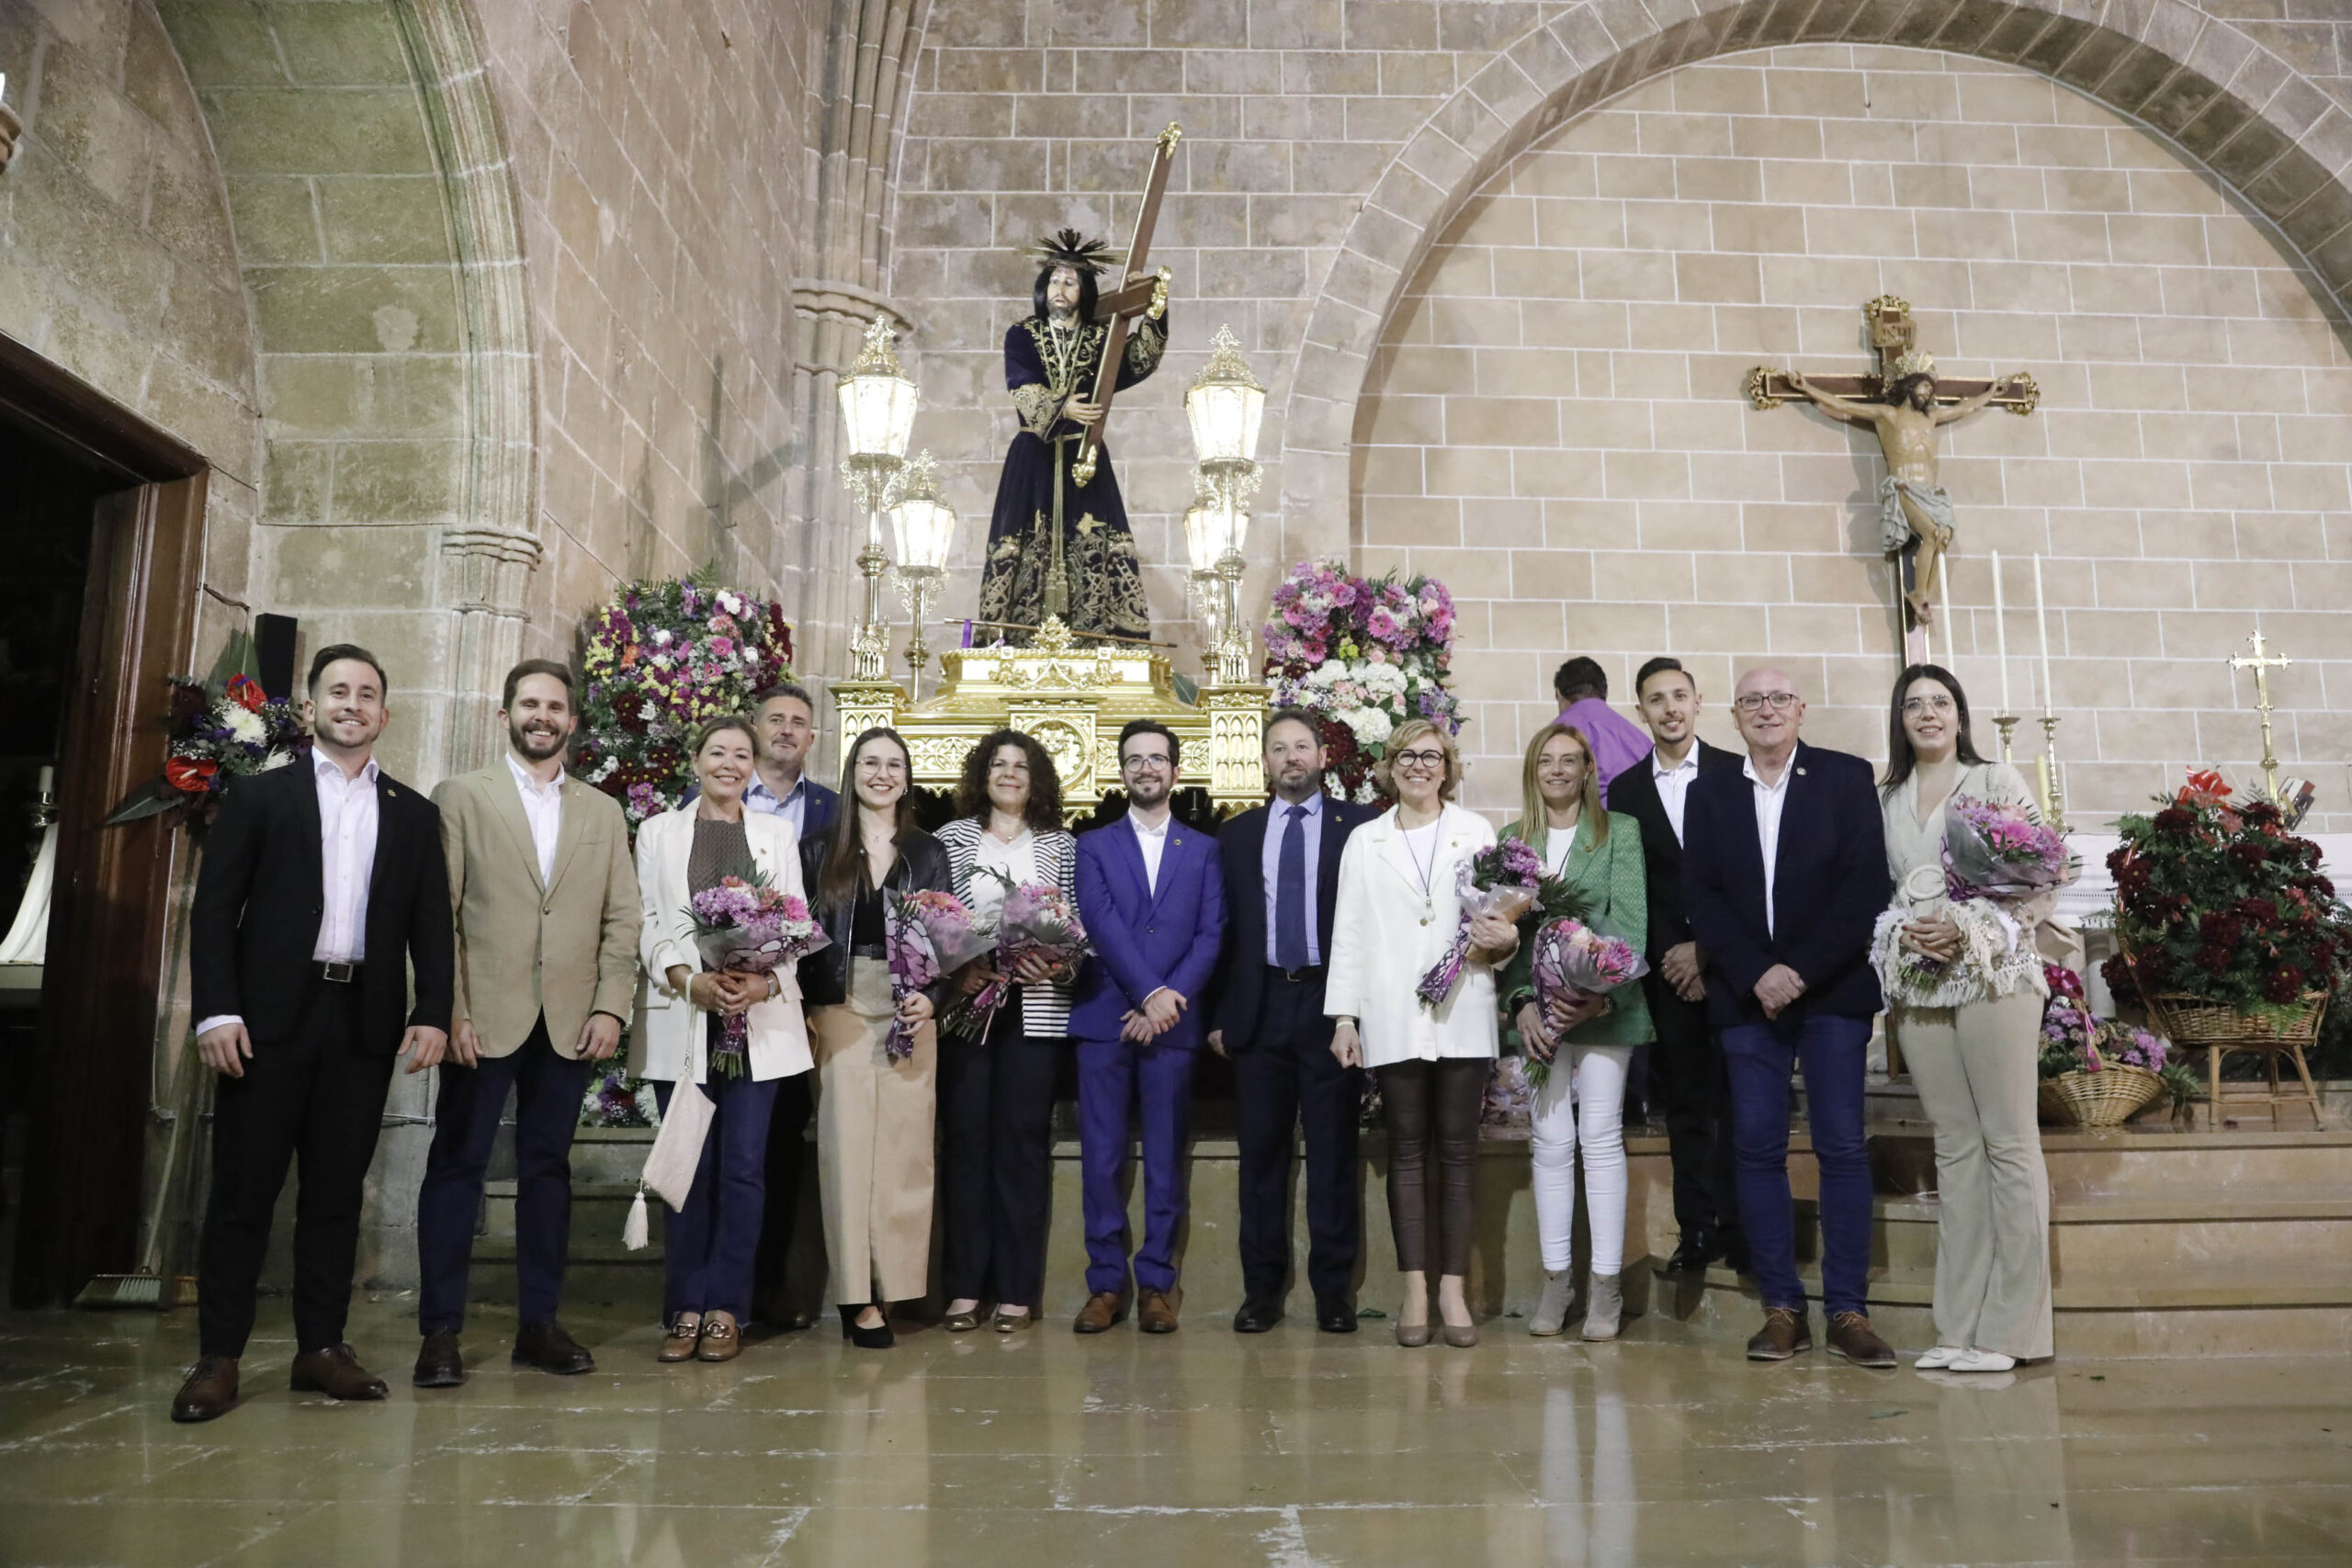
<point x="1830" y="1051"/>
<point x="708" y="1247"/>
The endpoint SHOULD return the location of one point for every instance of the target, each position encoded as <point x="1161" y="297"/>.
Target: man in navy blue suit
<point x="1150" y="892"/>
<point x="1281" y="878"/>
<point x="1783" y="876"/>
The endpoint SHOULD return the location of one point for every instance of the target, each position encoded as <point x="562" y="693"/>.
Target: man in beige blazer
<point x="547" y="929"/>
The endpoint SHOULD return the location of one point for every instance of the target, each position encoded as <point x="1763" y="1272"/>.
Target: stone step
<point x="598" y="1208"/>
<point x="2250" y="1229"/>
<point x="610" y="1154"/>
<point x="2142" y="1163"/>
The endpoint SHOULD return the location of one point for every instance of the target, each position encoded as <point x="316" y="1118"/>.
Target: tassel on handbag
<point x="634" y="1229"/>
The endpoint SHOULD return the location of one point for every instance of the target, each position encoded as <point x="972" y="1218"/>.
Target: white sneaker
<point x="1983" y="1362"/>
<point x="1940" y="1357"/>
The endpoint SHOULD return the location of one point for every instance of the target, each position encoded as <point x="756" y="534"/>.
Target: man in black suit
<point x="322" y="881"/>
<point x="1282" y="877"/>
<point x="1783" y="876"/>
<point x="1687" y="1064"/>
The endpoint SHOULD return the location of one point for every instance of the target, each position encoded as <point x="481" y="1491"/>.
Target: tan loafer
<point x="679" y="1344"/>
<point x="719" y="1342"/>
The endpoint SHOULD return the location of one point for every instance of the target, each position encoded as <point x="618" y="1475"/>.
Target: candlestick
<point x="2041" y="621"/>
<point x="2001" y="643"/>
<point x="2053" y="789"/>
<point x="2005" y="723"/>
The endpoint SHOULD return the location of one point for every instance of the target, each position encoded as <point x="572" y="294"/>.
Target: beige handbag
<point x="677" y="1150"/>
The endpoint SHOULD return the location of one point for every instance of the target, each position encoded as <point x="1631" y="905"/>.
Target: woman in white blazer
<point x="709" y="1246"/>
<point x="1399" y="907"/>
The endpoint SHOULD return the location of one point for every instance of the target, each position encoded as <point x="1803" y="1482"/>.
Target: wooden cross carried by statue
<point x="1903" y="402"/>
<point x="1138" y="294"/>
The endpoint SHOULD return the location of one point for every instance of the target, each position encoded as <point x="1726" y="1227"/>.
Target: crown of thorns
<point x="1070" y="248"/>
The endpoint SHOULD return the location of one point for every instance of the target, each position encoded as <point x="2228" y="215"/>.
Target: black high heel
<point x="878" y="1338"/>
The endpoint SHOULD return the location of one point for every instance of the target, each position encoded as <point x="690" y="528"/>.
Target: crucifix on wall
<point x="1904" y="402"/>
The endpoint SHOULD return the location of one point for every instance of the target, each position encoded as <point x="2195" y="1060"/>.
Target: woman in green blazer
<point x="1599" y="853"/>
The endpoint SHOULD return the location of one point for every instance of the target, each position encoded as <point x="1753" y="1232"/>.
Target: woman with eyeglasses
<point x="874" y="1115"/>
<point x="1973" y="1057"/>
<point x="1598" y="854"/>
<point x="1396" y="912"/>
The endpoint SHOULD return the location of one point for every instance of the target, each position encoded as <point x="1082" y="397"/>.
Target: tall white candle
<point x="2041" y="621"/>
<point x="2001" y="632"/>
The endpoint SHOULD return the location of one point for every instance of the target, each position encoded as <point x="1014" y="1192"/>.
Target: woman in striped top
<point x="996" y="1093"/>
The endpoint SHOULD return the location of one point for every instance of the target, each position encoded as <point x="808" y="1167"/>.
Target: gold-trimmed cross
<point x="2262" y="664"/>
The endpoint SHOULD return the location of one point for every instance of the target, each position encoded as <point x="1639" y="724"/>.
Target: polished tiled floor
<point x="1201" y="1449"/>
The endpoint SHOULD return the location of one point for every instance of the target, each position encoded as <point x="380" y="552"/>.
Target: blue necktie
<point x="1290" y="894"/>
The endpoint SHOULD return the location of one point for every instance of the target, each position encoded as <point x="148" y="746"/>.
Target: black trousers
<point x="1430" y="1110"/>
<point x="1689" y="1082"/>
<point x="788" y="1154"/>
<point x="316" y="1094"/>
<point x="1285" y="1082"/>
<point x="465" y="1115"/>
<point x="996" y="1105"/>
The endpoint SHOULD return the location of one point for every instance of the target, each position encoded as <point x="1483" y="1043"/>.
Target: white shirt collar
<point x="526" y="780"/>
<point x="321" y="765"/>
<point x="1747" y="766"/>
<point x="1690" y="763"/>
<point x="1144" y="832"/>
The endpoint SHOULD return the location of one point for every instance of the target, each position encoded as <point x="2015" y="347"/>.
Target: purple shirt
<point x="1617" y="742"/>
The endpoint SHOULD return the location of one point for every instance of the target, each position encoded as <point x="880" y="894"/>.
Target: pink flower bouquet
<point x="748" y="928"/>
<point x="1997" y="852"/>
<point x="1500" y="880"/>
<point x="926" y="935"/>
<point x="1036" y="920"/>
<point x="1571" y="962"/>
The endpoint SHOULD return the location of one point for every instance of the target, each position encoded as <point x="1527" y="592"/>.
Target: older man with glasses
<point x="1783" y="875"/>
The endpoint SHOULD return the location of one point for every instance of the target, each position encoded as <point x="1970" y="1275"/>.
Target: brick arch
<point x="2259" y="125"/>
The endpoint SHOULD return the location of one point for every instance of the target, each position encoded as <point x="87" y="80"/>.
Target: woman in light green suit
<point x="1599" y="853"/>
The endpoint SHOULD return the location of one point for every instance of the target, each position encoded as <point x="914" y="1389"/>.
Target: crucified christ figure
<point x="1912" y="505"/>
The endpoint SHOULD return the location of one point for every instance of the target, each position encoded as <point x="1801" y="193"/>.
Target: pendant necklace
<point x="1429" y="905"/>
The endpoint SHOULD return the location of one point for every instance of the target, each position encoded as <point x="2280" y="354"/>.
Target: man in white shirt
<point x="546" y="926"/>
<point x="1687" y="1083"/>
<point x="1784" y="876"/>
<point x="319" y="887"/>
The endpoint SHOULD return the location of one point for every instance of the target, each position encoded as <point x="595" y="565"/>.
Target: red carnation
<point x="2214" y="960"/>
<point x="2249" y="854"/>
<point x="2116" y="970"/>
<point x="2173" y="819"/>
<point x="2284" y="984"/>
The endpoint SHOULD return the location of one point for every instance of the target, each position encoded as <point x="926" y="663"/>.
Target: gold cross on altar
<point x="1136" y="296"/>
<point x="2262" y="664"/>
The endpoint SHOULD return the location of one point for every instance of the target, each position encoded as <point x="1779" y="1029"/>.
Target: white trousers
<point x="1584" y="1097"/>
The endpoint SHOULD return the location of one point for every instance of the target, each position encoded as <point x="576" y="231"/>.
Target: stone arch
<point x="2259" y="125"/>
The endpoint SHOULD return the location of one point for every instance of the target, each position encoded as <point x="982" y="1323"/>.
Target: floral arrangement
<point x="220" y="729"/>
<point x="1510" y="1094"/>
<point x="2222" y="903"/>
<point x="1035" y="920"/>
<point x="1364" y="655"/>
<point x="1997" y="851"/>
<point x="1571" y="962"/>
<point x="662" y="659"/>
<point x="1502" y="879"/>
<point x="925" y="935"/>
<point x="749" y="928"/>
<point x="2073" y="1040"/>
<point x="616" y="1099"/>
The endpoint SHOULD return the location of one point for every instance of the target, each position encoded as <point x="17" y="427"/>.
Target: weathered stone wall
<point x="1556" y="426"/>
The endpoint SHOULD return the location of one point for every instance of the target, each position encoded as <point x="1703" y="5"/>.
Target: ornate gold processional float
<point x="1071" y="686"/>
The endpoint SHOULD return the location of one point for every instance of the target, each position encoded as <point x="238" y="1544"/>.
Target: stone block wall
<point x="1555" y="421"/>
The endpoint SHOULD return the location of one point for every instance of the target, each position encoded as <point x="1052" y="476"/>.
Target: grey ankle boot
<point x="1551" y="1313"/>
<point x="1604" y="1304"/>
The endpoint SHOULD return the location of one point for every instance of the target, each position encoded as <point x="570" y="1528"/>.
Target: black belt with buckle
<point x="1298" y="976"/>
<point x="336" y="970"/>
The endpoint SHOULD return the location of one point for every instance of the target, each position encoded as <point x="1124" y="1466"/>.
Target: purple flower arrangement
<point x="220" y="730"/>
<point x="1997" y="852"/>
<point x="926" y="936"/>
<point x="1364" y="655"/>
<point x="661" y="660"/>
<point x="1501" y="880"/>
<point x="749" y="928"/>
<point x="1571" y="962"/>
<point x="1036" y="920"/>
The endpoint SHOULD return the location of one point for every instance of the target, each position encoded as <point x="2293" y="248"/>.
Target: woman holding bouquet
<point x="1965" y="992"/>
<point x="709" y="1246"/>
<point x="874" y="1109"/>
<point x="1597" y="855"/>
<point x="997" y="1089"/>
<point x="1399" y="907"/>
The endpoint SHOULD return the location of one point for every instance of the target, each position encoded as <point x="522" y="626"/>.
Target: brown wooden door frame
<point x="101" y="996"/>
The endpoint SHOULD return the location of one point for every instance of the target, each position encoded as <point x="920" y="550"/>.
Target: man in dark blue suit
<point x="1150" y="892"/>
<point x="1783" y="876"/>
<point x="1281" y="878"/>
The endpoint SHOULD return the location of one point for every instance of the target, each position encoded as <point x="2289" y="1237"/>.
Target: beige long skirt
<point x="874" y="1144"/>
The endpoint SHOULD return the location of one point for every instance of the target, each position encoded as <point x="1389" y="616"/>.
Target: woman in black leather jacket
<point x="874" y="1115"/>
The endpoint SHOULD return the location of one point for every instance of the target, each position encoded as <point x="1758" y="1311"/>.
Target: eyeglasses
<point x="1912" y="706"/>
<point x="1420" y="758"/>
<point x="1774" y="700"/>
<point x="1151" y="762"/>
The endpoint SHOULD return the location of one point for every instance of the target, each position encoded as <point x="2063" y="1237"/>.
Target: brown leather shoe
<point x="681" y="1342"/>
<point x="1158" y="1314"/>
<point x="211" y="1390"/>
<point x="1785" y="1331"/>
<point x="1103" y="1309"/>
<point x="336" y="1372"/>
<point x="720" y="1342"/>
<point x="1851" y="1336"/>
